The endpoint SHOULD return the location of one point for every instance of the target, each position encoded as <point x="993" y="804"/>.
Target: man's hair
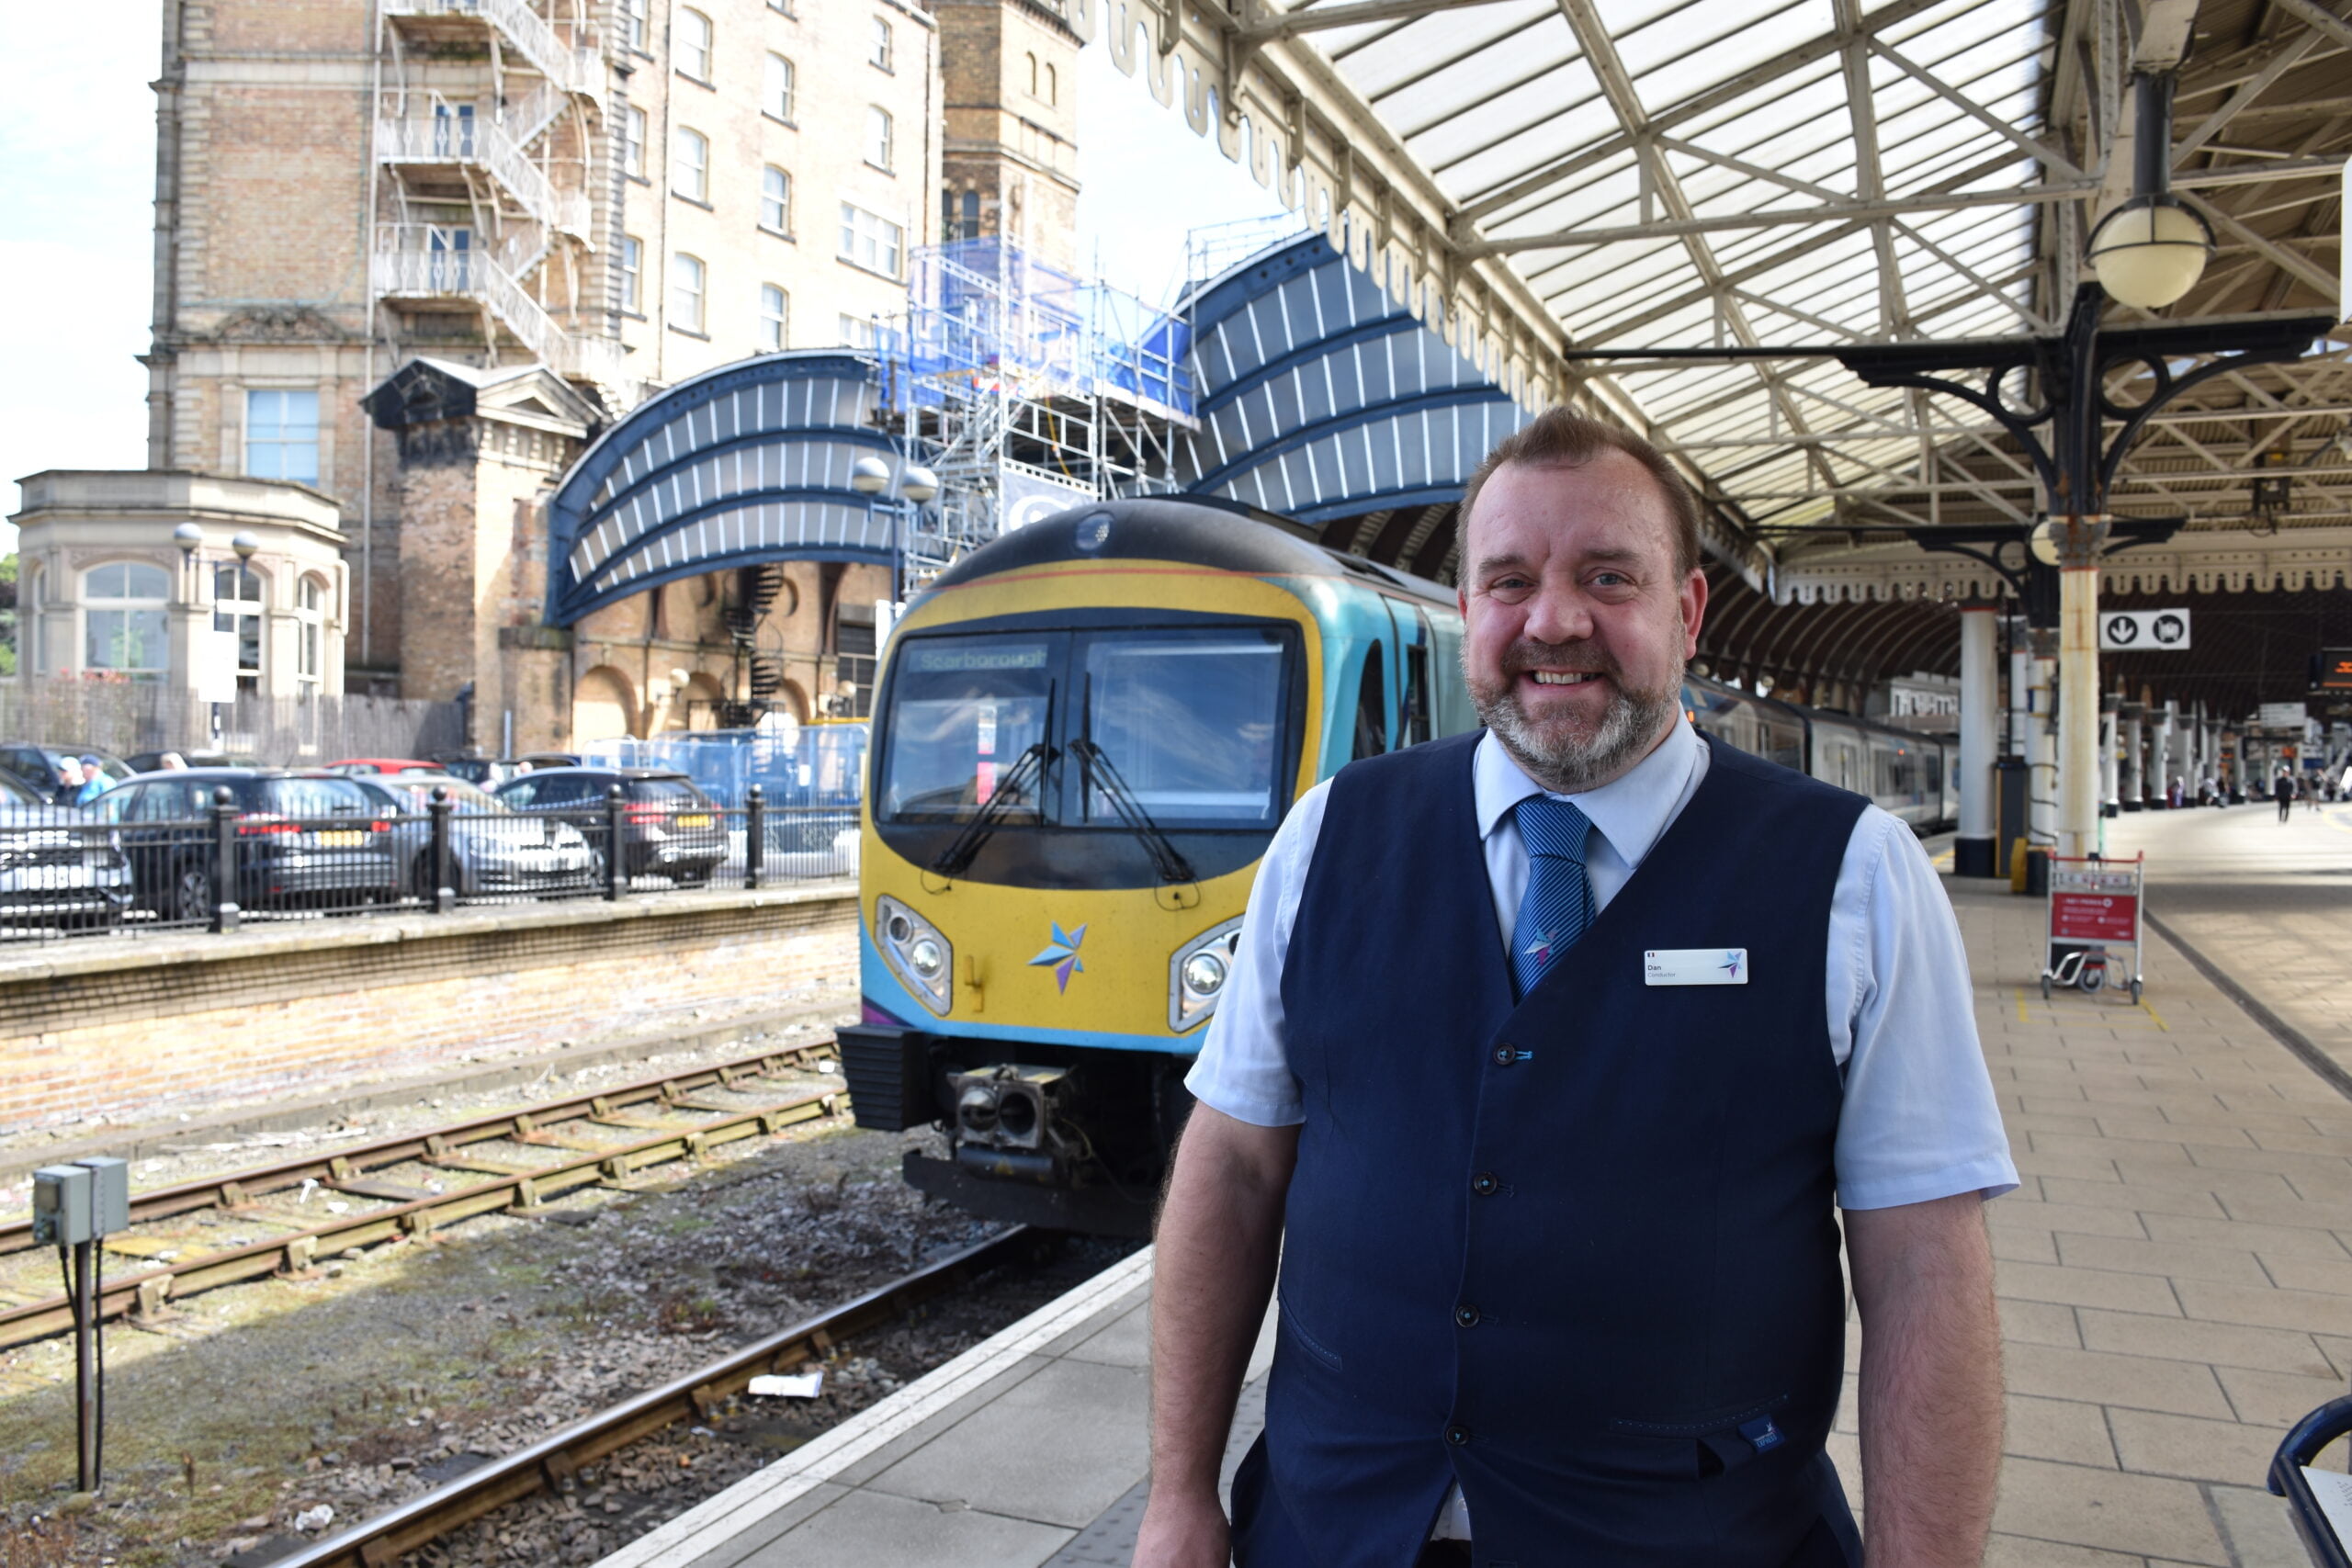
<point x="1560" y="438"/>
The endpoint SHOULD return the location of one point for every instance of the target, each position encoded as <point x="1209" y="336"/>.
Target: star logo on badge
<point x="1731" y="966"/>
<point x="1062" y="953"/>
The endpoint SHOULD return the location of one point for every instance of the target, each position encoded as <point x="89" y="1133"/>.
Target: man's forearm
<point x="1219" y="1236"/>
<point x="1930" y="1383"/>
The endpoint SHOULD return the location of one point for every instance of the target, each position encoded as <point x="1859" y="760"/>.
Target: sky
<point x="77" y="178"/>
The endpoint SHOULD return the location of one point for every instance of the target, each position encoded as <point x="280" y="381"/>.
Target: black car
<point x="669" y="827"/>
<point x="304" y="840"/>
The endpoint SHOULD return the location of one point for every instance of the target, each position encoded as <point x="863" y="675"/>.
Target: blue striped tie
<point x="1558" y="905"/>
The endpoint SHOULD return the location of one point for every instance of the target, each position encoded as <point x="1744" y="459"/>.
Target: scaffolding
<point x="1026" y="390"/>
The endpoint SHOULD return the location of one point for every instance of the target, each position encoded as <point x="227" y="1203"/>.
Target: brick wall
<point x="138" y="1026"/>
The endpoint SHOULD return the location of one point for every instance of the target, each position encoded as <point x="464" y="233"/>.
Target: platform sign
<point x="2090" y="905"/>
<point x="2336" y="669"/>
<point x="2122" y="631"/>
<point x="2281" y="715"/>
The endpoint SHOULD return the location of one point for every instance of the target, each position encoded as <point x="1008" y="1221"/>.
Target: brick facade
<point x="138" y="1027"/>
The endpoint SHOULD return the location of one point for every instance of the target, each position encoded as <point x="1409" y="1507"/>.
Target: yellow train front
<point x="1085" y="735"/>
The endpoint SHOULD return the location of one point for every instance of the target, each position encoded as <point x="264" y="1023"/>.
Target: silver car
<point x="60" y="867"/>
<point x="492" y="847"/>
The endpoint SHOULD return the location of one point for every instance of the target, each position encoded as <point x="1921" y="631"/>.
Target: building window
<point x="880" y="56"/>
<point x="690" y="164"/>
<point x="694" y="45"/>
<point x="632" y="271"/>
<point x="282" y="436"/>
<point x="239" y="600"/>
<point x="773" y="321"/>
<point x="775" y="200"/>
<point x="633" y="24"/>
<point x="959" y="216"/>
<point x="1053" y="86"/>
<point x="856" y="332"/>
<point x="309" y="606"/>
<point x="777" y="100"/>
<point x="123" y="618"/>
<point x="686" y="292"/>
<point x="870" y="241"/>
<point x="453" y="130"/>
<point x="877" y="138"/>
<point x="1033" y="74"/>
<point x="633" y="142"/>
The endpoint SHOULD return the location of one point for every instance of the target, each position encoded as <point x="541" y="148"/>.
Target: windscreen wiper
<point x="1098" y="772"/>
<point x="1022" y="779"/>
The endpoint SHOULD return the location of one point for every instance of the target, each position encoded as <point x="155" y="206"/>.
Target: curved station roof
<point x="1684" y="213"/>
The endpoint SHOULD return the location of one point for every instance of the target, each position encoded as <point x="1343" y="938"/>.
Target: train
<point x="1084" y="735"/>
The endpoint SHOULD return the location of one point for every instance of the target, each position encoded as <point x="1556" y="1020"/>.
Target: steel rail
<point x="548" y="1463"/>
<point x="146" y="1290"/>
<point x="239" y="1188"/>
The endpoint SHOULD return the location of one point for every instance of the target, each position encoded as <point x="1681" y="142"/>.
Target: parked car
<point x="42" y="767"/>
<point x="192" y="756"/>
<point x="59" y="866"/>
<point x="549" y="759"/>
<point x="492" y="847"/>
<point x="303" y="839"/>
<point x="486" y="772"/>
<point x="669" y="827"/>
<point x="360" y="767"/>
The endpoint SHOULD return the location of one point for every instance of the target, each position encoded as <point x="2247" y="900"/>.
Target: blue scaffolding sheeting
<point x="983" y="317"/>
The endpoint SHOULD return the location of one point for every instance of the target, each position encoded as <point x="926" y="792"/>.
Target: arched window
<point x="1033" y="74"/>
<point x="877" y="137"/>
<point x="878" y="52"/>
<point x="775" y="200"/>
<point x="686" y="292"/>
<point x="123" y="627"/>
<point x="772" y="307"/>
<point x="240" y="599"/>
<point x="694" y="44"/>
<point x="690" y="164"/>
<point x="777" y="99"/>
<point x="309" y="614"/>
<point x="1053" y="86"/>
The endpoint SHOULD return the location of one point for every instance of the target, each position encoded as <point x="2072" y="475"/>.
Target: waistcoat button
<point x="1502" y="1056"/>
<point x="1458" y="1435"/>
<point x="1466" y="1315"/>
<point x="1483" y="1184"/>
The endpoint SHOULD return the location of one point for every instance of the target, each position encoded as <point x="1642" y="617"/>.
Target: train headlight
<point x="917" y="952"/>
<point x="1197" y="975"/>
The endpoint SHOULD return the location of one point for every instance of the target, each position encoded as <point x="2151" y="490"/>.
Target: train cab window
<point x="1372" y="708"/>
<point x="964" y="715"/>
<point x="1190" y="722"/>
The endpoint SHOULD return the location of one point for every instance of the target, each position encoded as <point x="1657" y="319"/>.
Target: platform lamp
<point x="2151" y="250"/>
<point x="190" y="539"/>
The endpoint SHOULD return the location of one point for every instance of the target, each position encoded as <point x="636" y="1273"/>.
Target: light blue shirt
<point x="1920" y="1120"/>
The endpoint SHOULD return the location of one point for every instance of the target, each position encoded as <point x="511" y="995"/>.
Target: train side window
<point x="1371" y="704"/>
<point x="1416" y="718"/>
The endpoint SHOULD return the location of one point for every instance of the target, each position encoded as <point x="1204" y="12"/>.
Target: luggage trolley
<point x="2318" y="1501"/>
<point x="2094" y="906"/>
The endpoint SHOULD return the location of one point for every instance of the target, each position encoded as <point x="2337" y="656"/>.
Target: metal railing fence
<point x="68" y="872"/>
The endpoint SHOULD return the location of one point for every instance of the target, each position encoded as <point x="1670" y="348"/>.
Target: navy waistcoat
<point x="1578" y="1252"/>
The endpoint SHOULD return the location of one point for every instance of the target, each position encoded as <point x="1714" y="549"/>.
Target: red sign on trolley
<point x="2094" y="916"/>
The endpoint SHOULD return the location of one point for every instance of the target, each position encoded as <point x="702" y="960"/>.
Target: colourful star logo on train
<point x="1062" y="953"/>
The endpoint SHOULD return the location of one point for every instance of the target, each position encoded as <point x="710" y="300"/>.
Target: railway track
<point x="321" y="1205"/>
<point x="551" y="1463"/>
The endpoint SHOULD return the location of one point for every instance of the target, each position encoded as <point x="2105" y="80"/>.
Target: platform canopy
<point x="744" y="464"/>
<point x="1540" y="180"/>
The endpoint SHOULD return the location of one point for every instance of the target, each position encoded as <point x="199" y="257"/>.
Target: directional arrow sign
<point x="2164" y="631"/>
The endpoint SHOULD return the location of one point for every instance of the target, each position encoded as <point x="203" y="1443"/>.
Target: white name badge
<point x="1695" y="966"/>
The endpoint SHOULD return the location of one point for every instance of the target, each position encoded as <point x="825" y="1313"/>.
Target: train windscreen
<point x="964" y="713"/>
<point x="1190" y="722"/>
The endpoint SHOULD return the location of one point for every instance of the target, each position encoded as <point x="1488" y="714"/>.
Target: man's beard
<point x="1566" y="754"/>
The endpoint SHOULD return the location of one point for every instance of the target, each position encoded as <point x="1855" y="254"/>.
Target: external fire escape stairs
<point x="758" y="674"/>
<point x="501" y="159"/>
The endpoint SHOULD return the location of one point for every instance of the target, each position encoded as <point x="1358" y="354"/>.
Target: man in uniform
<point x="1546" y="1056"/>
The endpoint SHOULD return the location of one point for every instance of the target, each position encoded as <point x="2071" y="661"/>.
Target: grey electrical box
<point x="109" y="1194"/>
<point x="62" y="1205"/>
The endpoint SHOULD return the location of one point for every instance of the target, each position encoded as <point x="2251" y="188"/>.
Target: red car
<point x="382" y="765"/>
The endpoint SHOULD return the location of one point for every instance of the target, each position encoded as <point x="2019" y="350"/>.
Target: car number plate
<point x="339" y="839"/>
<point x="700" y="819"/>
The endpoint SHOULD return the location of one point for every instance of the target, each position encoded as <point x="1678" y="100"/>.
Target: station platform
<point x="2174" y="1277"/>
